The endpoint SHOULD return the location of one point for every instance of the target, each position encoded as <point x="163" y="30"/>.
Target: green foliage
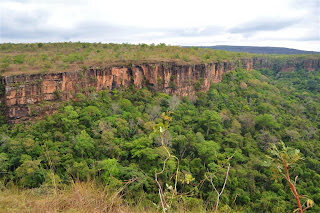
<point x="40" y="45"/>
<point x="79" y="170"/>
<point x="84" y="144"/>
<point x="57" y="94"/>
<point x="19" y="59"/>
<point x="198" y="84"/>
<point x="172" y="84"/>
<point x="29" y="172"/>
<point x="266" y="121"/>
<point x="73" y="57"/>
<point x="111" y="171"/>
<point x="4" y="164"/>
<point x="283" y="156"/>
<point x="210" y="121"/>
<point x="110" y="137"/>
<point x="282" y="160"/>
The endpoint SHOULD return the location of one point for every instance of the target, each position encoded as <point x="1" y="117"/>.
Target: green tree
<point x="84" y="144"/>
<point x="79" y="170"/>
<point x="210" y="121"/>
<point x="266" y="121"/>
<point x="30" y="173"/>
<point x="111" y="170"/>
<point x="4" y="163"/>
<point x="122" y="127"/>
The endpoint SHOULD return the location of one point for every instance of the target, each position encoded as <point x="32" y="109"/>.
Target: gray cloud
<point x="32" y="21"/>
<point x="312" y="37"/>
<point x="199" y="32"/>
<point x="15" y="25"/>
<point x="312" y="6"/>
<point x="23" y="25"/>
<point x="32" y="26"/>
<point x="263" y="25"/>
<point x="311" y="19"/>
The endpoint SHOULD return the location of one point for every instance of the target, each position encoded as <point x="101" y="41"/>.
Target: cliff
<point x="28" y="96"/>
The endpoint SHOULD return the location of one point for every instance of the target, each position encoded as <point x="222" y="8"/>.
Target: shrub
<point x="73" y="57"/>
<point x="205" y="56"/>
<point x="18" y="59"/>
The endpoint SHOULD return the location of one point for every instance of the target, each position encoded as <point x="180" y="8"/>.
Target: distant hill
<point x="260" y="50"/>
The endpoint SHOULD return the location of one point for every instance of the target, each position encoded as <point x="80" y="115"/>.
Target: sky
<point x="278" y="23"/>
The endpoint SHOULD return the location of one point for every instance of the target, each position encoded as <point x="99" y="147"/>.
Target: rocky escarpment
<point x="28" y="96"/>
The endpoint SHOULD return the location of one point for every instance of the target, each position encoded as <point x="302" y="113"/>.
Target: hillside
<point x="36" y="78"/>
<point x="35" y="58"/>
<point x="147" y="136"/>
<point x="110" y="137"/>
<point x="260" y="50"/>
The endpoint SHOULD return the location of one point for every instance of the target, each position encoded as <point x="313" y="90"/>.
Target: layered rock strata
<point x="28" y="96"/>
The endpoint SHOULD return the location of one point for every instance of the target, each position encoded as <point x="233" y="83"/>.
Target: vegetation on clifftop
<point x="60" y="57"/>
<point x="55" y="57"/>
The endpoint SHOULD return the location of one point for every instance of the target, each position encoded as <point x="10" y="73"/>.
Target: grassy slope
<point x="78" y="197"/>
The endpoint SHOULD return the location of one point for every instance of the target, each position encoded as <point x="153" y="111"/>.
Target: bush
<point x="18" y="59"/>
<point x="73" y="57"/>
<point x="205" y="56"/>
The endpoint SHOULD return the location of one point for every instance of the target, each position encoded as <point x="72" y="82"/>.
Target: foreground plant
<point x="281" y="160"/>
<point x="162" y="129"/>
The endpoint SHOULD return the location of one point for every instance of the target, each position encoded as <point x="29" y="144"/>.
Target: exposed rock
<point x="29" y="96"/>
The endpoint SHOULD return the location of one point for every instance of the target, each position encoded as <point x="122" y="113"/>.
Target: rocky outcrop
<point x="29" y="96"/>
<point x="289" y="64"/>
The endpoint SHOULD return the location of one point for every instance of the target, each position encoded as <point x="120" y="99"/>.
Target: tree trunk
<point x="293" y="188"/>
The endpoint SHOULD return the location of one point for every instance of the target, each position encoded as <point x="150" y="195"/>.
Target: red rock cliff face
<point x="29" y="96"/>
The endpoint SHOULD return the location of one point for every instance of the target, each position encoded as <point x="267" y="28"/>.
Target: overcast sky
<point x="280" y="23"/>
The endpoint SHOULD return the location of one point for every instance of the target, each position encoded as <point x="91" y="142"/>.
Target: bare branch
<point x="225" y="181"/>
<point x="223" y="187"/>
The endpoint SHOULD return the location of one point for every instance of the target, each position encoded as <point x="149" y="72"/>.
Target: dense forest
<point x="174" y="153"/>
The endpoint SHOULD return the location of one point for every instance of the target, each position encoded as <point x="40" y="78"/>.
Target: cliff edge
<point x="25" y="97"/>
